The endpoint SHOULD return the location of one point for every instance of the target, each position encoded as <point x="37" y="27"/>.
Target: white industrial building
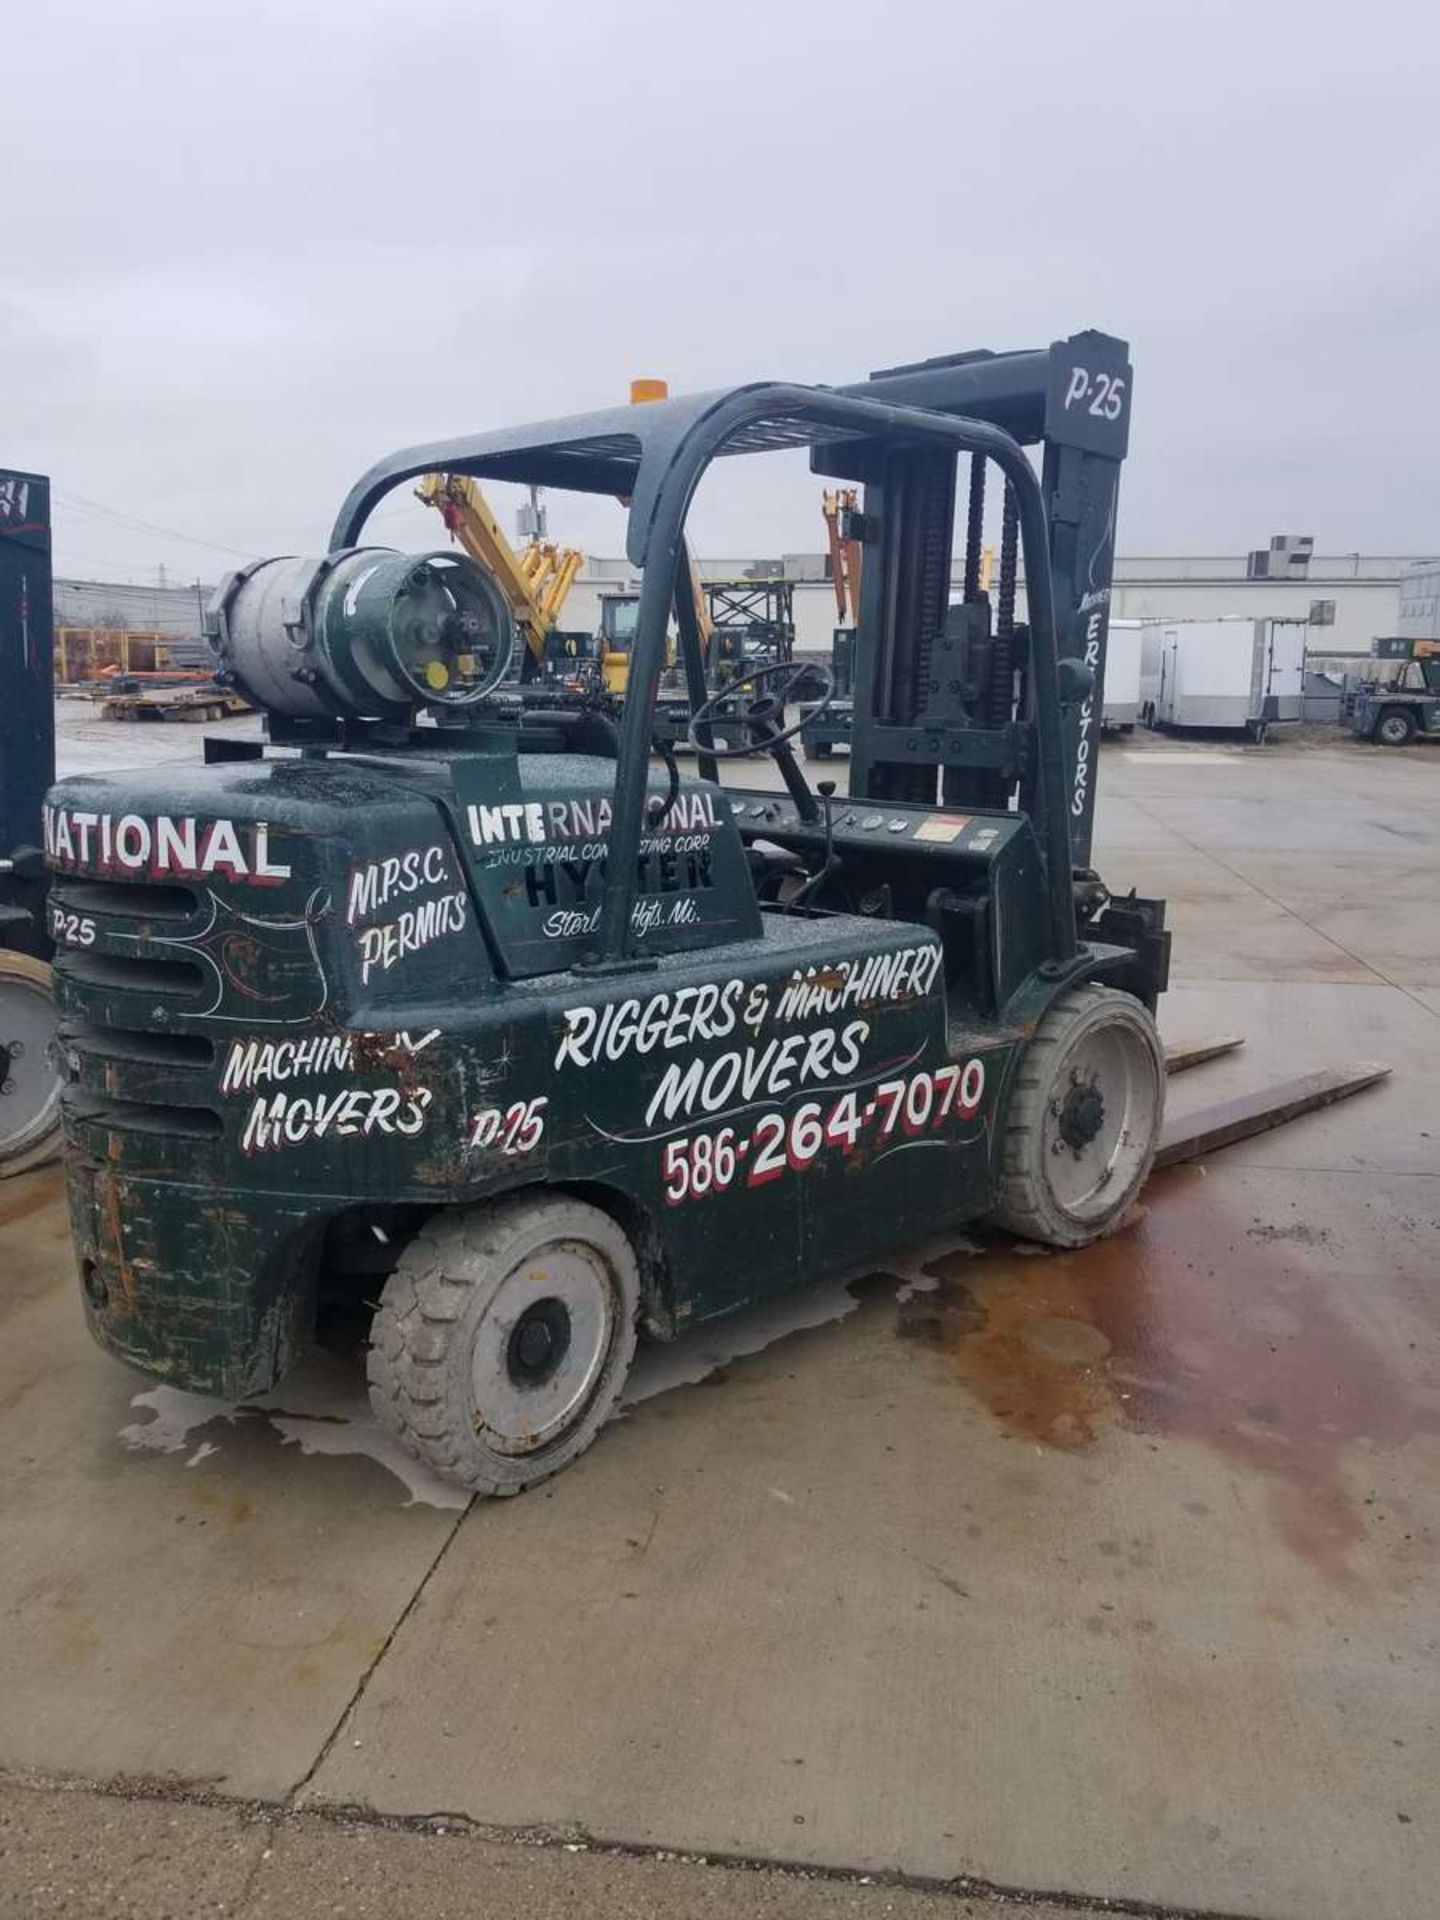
<point x="1347" y="599"/>
<point x="1419" y="617"/>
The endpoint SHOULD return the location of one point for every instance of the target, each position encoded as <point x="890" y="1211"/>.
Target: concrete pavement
<point x="1109" y="1575"/>
<point x="89" y="1856"/>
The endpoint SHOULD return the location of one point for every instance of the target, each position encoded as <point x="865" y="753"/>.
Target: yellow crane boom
<point x="844" y="555"/>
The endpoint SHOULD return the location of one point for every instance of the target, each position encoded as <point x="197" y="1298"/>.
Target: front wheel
<point x="503" y="1339"/>
<point x="1083" y="1121"/>
<point x="1396" y="728"/>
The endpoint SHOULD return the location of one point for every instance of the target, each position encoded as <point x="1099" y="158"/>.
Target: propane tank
<point x="365" y="633"/>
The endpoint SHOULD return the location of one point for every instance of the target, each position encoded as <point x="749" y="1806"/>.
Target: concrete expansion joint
<point x="277" y="1815"/>
<point x="271" y="1827"/>
<point x="293" y="1797"/>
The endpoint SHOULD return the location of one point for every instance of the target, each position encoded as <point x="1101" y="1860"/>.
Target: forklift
<point x="1392" y="713"/>
<point x="472" y="1003"/>
<point x="29" y="1084"/>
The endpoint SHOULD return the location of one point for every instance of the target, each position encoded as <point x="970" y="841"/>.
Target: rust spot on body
<point x="1182" y="1324"/>
<point x="112" y="1236"/>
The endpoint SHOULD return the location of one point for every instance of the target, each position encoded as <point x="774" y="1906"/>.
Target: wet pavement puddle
<point x="1185" y="1324"/>
<point x="321" y="1408"/>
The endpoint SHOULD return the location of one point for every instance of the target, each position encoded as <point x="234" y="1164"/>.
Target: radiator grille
<point x="123" y="1001"/>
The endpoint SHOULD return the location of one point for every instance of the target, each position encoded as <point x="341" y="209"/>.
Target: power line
<point x="148" y="526"/>
<point x="118" y="573"/>
<point x="403" y="506"/>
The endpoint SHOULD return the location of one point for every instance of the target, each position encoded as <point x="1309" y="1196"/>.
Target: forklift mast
<point x="946" y="686"/>
<point x="27" y="762"/>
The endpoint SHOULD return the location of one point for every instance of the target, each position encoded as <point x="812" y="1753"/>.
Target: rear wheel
<point x="29" y="1083"/>
<point x="503" y="1338"/>
<point x="1084" y="1119"/>
<point x="1396" y="727"/>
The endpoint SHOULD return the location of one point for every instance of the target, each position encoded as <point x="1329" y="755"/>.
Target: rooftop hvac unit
<point x="1286" y="558"/>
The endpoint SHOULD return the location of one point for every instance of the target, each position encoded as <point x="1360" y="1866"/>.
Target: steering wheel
<point x="764" y="709"/>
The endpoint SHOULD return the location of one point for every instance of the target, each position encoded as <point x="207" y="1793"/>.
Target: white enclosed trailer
<point x="1236" y="673"/>
<point x="1120" y="689"/>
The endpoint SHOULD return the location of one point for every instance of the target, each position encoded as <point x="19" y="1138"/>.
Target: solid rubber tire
<point x="419" y="1359"/>
<point x="1024" y="1205"/>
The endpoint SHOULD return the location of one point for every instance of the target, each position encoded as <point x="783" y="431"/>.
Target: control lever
<point x="826" y="790"/>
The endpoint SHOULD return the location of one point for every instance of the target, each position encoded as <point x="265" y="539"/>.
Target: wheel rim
<point x="29" y="1086"/>
<point x="1100" y="1120"/>
<point x="541" y="1349"/>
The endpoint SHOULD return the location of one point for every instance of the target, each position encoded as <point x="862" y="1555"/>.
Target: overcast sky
<point x="251" y="248"/>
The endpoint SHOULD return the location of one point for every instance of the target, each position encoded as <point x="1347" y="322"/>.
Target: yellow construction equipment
<point x="535" y="582"/>
<point x="619" y="613"/>
<point x="844" y="553"/>
<point x="702" y="605"/>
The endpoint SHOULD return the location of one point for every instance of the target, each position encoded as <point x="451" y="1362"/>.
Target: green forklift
<point x="471" y="1003"/>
